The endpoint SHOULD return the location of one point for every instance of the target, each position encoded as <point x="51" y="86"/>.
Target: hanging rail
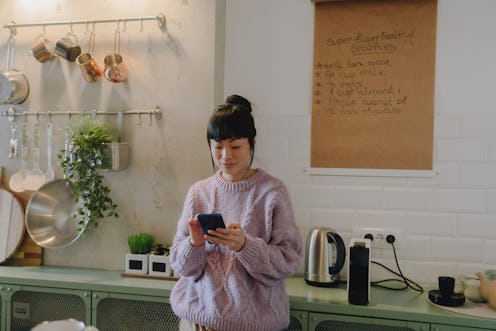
<point x="11" y="113"/>
<point x="160" y="18"/>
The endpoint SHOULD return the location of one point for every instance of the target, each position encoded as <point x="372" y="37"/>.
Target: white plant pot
<point x="159" y="265"/>
<point x="137" y="264"/>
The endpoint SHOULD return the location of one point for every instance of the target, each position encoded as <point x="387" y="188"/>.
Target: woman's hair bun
<point x="237" y="100"/>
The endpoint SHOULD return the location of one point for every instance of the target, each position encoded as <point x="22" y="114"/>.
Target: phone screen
<point x="210" y="222"/>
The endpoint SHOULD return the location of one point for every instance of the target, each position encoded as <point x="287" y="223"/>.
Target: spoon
<point x="16" y="181"/>
<point x="49" y="174"/>
<point x="35" y="178"/>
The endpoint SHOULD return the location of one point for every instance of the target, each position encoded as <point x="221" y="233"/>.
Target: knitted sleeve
<point x="186" y="259"/>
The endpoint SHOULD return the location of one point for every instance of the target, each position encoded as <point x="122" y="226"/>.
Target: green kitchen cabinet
<point x="299" y="321"/>
<point x="31" y="305"/>
<point x="119" y="311"/>
<point x="6" y="292"/>
<point x="324" y="322"/>
<point x="441" y="327"/>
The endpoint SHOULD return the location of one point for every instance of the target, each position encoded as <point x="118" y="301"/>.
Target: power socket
<point x="379" y="236"/>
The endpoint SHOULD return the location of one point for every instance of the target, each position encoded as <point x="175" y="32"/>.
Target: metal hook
<point x="124" y="27"/>
<point x="140" y="29"/>
<point x="70" y="27"/>
<point x="93" y="26"/>
<point x="87" y="27"/>
<point x="150" y="118"/>
<point x="43" y="29"/>
<point x="11" y="114"/>
<point x="117" y="26"/>
<point x="12" y="28"/>
<point x="139" y="119"/>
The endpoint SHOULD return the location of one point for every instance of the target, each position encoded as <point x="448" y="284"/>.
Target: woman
<point x="233" y="278"/>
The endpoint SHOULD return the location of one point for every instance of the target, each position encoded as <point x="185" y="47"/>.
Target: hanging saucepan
<point x="14" y="87"/>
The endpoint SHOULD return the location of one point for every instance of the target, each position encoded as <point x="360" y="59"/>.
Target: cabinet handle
<point x="85" y="295"/>
<point x="9" y="289"/>
<point x="95" y="296"/>
<point x="1" y="288"/>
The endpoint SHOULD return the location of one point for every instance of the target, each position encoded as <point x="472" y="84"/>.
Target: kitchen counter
<point x="406" y="305"/>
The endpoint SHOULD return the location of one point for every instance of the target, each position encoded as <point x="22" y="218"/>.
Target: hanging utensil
<point x="90" y="69"/>
<point x="14" y="86"/>
<point x="115" y="69"/>
<point x="16" y="181"/>
<point x="49" y="174"/>
<point x="13" y="141"/>
<point x="35" y="178"/>
<point x="49" y="213"/>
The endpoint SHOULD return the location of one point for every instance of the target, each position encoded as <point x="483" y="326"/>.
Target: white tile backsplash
<point x="408" y="198"/>
<point x="432" y="224"/>
<point x="358" y="197"/>
<point x="457" y="249"/>
<point x="461" y="200"/>
<point x="478" y="226"/>
<point x="455" y="150"/>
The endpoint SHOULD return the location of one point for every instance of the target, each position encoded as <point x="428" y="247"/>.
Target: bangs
<point x="229" y="122"/>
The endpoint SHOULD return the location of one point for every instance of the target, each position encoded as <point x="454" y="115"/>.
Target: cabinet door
<point x="6" y="292"/>
<point x="299" y="321"/>
<point x="32" y="305"/>
<point x="128" y="312"/>
<point x="325" y="322"/>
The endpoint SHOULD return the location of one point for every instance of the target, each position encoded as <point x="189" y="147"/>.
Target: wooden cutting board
<point x="29" y="253"/>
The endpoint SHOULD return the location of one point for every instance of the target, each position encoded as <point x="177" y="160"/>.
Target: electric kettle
<point x="325" y="256"/>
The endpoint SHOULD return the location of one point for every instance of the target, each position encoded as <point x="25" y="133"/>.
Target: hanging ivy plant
<point x="81" y="160"/>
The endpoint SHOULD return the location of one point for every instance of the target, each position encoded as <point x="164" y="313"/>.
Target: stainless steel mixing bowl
<point x="49" y="215"/>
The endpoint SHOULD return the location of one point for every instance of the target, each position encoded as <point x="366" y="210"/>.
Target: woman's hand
<point x="232" y="237"/>
<point x="197" y="238"/>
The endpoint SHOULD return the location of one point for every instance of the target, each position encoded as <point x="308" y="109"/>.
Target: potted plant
<point x="158" y="262"/>
<point x="84" y="155"/>
<point x="140" y="245"/>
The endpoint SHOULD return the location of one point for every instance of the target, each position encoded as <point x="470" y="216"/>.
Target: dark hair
<point x="233" y="119"/>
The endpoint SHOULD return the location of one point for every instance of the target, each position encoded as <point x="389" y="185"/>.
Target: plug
<point x="369" y="236"/>
<point x="390" y="239"/>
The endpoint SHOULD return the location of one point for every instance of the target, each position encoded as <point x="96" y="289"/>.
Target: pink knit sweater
<point x="245" y="290"/>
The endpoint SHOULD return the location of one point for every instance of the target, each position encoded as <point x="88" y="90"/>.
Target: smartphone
<point x="210" y="221"/>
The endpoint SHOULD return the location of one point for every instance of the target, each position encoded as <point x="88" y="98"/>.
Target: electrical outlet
<point x="379" y="236"/>
<point x="21" y="310"/>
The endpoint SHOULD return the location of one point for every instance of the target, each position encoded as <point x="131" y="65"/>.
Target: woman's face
<point x="232" y="157"/>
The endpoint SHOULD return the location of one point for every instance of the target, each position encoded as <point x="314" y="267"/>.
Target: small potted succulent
<point x="158" y="262"/>
<point x="140" y="246"/>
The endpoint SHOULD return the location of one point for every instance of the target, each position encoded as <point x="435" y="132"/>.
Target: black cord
<point x="404" y="281"/>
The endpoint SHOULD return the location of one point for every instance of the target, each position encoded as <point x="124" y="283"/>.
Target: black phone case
<point x="210" y="222"/>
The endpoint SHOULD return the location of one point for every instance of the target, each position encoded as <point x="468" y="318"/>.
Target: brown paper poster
<point x="373" y="84"/>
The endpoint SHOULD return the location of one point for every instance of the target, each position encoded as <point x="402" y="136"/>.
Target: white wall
<point x="448" y="222"/>
<point x="173" y="68"/>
